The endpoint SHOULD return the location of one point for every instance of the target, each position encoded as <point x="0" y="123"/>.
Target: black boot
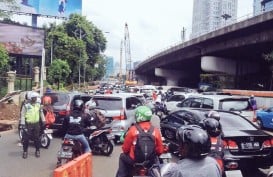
<point x="37" y="153"/>
<point x="24" y="155"/>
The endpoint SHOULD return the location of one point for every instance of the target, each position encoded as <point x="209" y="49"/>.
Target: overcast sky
<point x="153" y="24"/>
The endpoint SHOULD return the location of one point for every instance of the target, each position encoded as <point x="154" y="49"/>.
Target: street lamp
<point x="226" y="17"/>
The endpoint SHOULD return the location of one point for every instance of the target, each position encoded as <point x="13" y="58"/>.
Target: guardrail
<point x="78" y="167"/>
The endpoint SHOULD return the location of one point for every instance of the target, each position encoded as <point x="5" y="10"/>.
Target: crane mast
<point x="120" y="62"/>
<point x="127" y="51"/>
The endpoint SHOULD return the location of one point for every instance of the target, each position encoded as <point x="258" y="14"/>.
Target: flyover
<point x="236" y="49"/>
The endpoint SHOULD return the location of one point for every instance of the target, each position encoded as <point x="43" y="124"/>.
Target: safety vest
<point x="32" y="113"/>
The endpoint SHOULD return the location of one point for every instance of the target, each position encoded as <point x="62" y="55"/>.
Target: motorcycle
<point x="101" y="140"/>
<point x="160" y="109"/>
<point x="45" y="135"/>
<point x="70" y="149"/>
<point x="141" y="169"/>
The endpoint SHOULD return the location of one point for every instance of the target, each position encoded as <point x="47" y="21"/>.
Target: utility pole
<point x="127" y="51"/>
<point x="78" y="34"/>
<point x="183" y="34"/>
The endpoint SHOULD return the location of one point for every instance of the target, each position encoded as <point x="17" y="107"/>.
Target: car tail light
<point x="65" y="112"/>
<point x="230" y="144"/>
<point x="122" y="116"/>
<point x="268" y="143"/>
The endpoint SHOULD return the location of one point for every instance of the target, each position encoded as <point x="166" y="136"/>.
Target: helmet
<point x="214" y="114"/>
<point x="78" y="104"/>
<point x="46" y="100"/>
<point x="194" y="141"/>
<point x="143" y="113"/>
<point x="91" y="104"/>
<point x="212" y="126"/>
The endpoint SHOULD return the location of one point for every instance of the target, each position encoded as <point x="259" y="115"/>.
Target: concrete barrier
<point x="78" y="167"/>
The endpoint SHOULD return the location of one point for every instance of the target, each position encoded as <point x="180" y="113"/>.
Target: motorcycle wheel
<point x="20" y="134"/>
<point x="107" y="148"/>
<point x="45" y="141"/>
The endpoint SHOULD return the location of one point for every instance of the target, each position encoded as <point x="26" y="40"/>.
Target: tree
<point x="4" y="58"/>
<point x="58" y="72"/>
<point x="12" y="4"/>
<point x="78" y="42"/>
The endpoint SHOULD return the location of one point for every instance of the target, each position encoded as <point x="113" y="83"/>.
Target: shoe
<point x="24" y="155"/>
<point x="37" y="154"/>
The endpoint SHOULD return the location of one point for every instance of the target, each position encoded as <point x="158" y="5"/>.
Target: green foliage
<point x="12" y="5"/>
<point x="218" y="80"/>
<point x="78" y="42"/>
<point x="4" y="58"/>
<point x="58" y="72"/>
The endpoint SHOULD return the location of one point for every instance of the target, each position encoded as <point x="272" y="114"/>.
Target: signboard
<point x="61" y="8"/>
<point x="22" y="40"/>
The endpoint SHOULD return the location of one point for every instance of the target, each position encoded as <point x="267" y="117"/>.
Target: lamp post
<point x="226" y="17"/>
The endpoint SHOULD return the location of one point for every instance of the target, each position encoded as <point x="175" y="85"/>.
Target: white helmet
<point x="34" y="94"/>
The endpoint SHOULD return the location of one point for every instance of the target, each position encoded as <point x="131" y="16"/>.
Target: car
<point x="244" y="143"/>
<point x="119" y="111"/>
<point x="173" y="100"/>
<point x="235" y="103"/>
<point x="62" y="103"/>
<point x="265" y="118"/>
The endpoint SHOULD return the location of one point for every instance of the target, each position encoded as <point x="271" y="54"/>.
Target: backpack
<point x="49" y="117"/>
<point x="145" y="146"/>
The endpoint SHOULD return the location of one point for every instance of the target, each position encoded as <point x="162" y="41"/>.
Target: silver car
<point x="119" y="111"/>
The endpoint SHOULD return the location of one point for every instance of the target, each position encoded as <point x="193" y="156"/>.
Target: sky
<point x="154" y="25"/>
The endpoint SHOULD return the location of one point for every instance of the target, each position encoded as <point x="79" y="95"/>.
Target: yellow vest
<point x="32" y="113"/>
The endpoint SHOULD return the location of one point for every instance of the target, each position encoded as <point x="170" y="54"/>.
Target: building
<point x="257" y="7"/>
<point x="267" y="5"/>
<point x="109" y="67"/>
<point x="209" y="15"/>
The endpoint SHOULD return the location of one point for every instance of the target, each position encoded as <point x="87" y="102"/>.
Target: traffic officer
<point x="31" y="118"/>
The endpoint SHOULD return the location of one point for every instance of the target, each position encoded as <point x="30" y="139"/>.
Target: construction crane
<point x="120" y="62"/>
<point x="127" y="51"/>
<point x="128" y="61"/>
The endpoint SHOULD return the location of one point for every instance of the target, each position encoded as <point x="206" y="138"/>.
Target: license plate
<point x="65" y="154"/>
<point x="48" y="131"/>
<point x="250" y="145"/>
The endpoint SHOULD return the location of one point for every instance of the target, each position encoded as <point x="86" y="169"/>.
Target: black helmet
<point x="194" y="141"/>
<point x="214" y="114"/>
<point x="78" y="104"/>
<point x="212" y="126"/>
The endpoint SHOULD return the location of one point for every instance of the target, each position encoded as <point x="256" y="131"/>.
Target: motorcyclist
<point x="194" y="147"/>
<point x="143" y="116"/>
<point x="74" y="125"/>
<point x="31" y="118"/>
<point x="214" y="130"/>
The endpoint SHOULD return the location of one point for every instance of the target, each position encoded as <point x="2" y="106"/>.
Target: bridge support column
<point x="172" y="76"/>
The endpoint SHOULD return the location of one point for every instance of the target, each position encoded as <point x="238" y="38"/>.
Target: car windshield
<point x="109" y="103"/>
<point x="59" y="99"/>
<point x="234" y="105"/>
<point x="234" y="122"/>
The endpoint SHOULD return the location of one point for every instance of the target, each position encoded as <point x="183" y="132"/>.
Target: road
<point x="13" y="165"/>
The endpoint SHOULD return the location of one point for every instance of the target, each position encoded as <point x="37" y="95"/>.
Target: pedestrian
<point x="253" y="102"/>
<point x="194" y="147"/>
<point x="31" y="119"/>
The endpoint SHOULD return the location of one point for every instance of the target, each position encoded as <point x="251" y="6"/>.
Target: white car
<point x="238" y="104"/>
<point x="119" y="111"/>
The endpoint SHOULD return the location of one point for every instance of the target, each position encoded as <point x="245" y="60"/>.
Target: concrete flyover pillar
<point x="36" y="71"/>
<point x="11" y="80"/>
<point x="172" y="76"/>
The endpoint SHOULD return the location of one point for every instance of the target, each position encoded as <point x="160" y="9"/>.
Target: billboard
<point x="61" y="8"/>
<point x="22" y="40"/>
